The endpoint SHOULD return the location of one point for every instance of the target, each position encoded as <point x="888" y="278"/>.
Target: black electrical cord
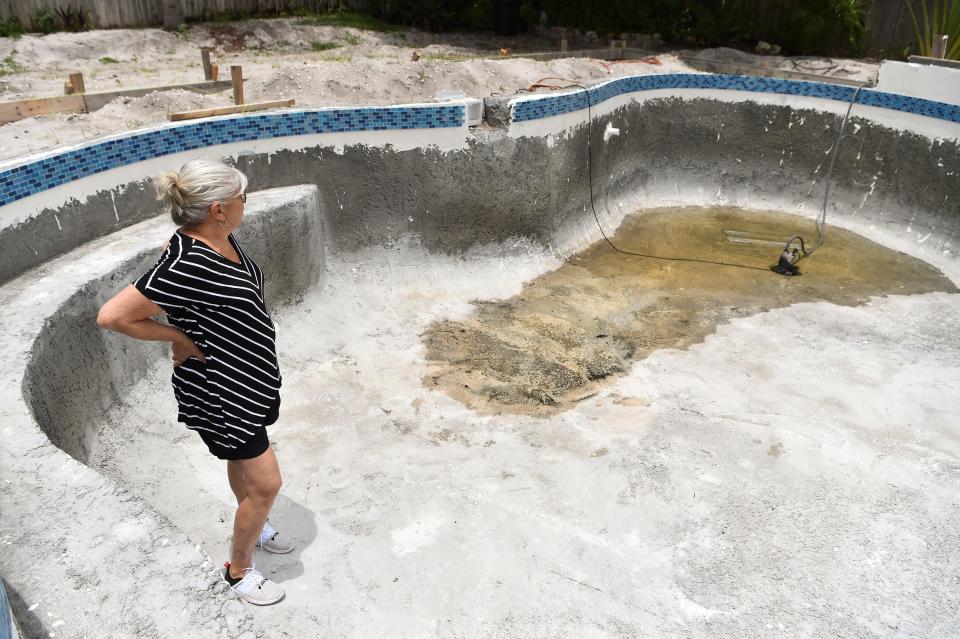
<point x="597" y="218"/>
<point x="822" y="218"/>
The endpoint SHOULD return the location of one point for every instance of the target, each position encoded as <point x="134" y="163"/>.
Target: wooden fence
<point x="889" y="30"/>
<point x="138" y="13"/>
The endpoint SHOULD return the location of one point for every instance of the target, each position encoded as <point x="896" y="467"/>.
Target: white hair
<point x="189" y="192"/>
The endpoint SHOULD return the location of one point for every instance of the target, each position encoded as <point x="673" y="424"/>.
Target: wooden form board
<point x="240" y="108"/>
<point x="86" y="102"/>
<point x="13" y="111"/>
<point x="96" y="101"/>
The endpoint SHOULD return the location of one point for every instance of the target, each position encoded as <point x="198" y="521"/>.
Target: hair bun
<point x="189" y="192"/>
<point x="170" y="190"/>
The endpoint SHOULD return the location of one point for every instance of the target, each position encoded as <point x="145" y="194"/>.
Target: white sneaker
<point x="272" y="540"/>
<point x="254" y="587"/>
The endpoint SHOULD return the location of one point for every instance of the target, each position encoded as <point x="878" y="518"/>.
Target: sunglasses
<point x="243" y="197"/>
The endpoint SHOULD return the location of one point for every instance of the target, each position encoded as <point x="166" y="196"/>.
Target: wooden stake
<point x="76" y="81"/>
<point x="205" y="58"/>
<point x="236" y="75"/>
<point x="563" y="44"/>
<point x="940" y="47"/>
<point x="214" y="72"/>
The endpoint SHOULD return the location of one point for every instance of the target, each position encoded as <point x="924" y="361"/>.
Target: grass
<point x="348" y="19"/>
<point x="108" y="60"/>
<point x="9" y="66"/>
<point x="324" y="46"/>
<point x="448" y="57"/>
<point x="336" y="58"/>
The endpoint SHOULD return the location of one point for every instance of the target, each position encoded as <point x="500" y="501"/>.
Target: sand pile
<point x="318" y="66"/>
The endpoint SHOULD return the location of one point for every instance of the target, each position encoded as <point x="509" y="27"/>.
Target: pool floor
<point x="790" y="470"/>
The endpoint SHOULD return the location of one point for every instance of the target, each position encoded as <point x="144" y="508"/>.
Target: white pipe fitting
<point x="610" y="131"/>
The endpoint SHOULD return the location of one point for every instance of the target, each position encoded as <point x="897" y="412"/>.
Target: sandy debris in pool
<point x="576" y="328"/>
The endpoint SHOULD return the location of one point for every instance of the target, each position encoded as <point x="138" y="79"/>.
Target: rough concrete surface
<point x="671" y="150"/>
<point x="795" y="473"/>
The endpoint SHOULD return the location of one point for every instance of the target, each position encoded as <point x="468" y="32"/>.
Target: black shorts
<point x="253" y="447"/>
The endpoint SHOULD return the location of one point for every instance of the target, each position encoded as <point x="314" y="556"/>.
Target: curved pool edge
<point x="53" y="201"/>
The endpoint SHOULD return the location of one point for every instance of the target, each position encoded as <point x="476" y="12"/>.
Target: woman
<point x="225" y="377"/>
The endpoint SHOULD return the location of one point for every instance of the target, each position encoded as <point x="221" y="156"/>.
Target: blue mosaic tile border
<point x="29" y="179"/>
<point x="535" y="109"/>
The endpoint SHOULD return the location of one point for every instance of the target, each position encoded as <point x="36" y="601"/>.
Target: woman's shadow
<point x="299" y="524"/>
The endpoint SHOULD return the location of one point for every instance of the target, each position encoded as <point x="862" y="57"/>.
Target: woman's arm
<point x="129" y="312"/>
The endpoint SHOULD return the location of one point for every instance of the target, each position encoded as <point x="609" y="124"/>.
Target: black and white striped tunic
<point x="220" y="305"/>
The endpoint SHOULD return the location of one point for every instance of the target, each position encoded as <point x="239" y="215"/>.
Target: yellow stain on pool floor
<point x="572" y="330"/>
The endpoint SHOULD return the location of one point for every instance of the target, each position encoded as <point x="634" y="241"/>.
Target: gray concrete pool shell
<point x="66" y="529"/>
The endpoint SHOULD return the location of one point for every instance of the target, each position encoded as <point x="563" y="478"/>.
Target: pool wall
<point x="77" y="371"/>
<point x="424" y="157"/>
<point x="445" y="187"/>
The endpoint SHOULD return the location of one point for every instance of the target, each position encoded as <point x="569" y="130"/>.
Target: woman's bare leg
<point x="261" y="480"/>
<point x="235" y="477"/>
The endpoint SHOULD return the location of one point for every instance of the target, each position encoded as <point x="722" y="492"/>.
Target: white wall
<point x="920" y="81"/>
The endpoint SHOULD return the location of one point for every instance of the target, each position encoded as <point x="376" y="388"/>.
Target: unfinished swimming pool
<point x="493" y="423"/>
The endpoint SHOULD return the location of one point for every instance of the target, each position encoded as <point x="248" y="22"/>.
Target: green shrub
<point x="9" y="65"/>
<point x="443" y="15"/>
<point x="11" y="28"/>
<point x="799" y="26"/>
<point x="345" y="18"/>
<point x="44" y="20"/>
<point x="822" y="26"/>
<point x="108" y="60"/>
<point x="73" y="19"/>
<point x="323" y="46"/>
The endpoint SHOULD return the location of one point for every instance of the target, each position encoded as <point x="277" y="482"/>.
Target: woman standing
<point x="225" y="378"/>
